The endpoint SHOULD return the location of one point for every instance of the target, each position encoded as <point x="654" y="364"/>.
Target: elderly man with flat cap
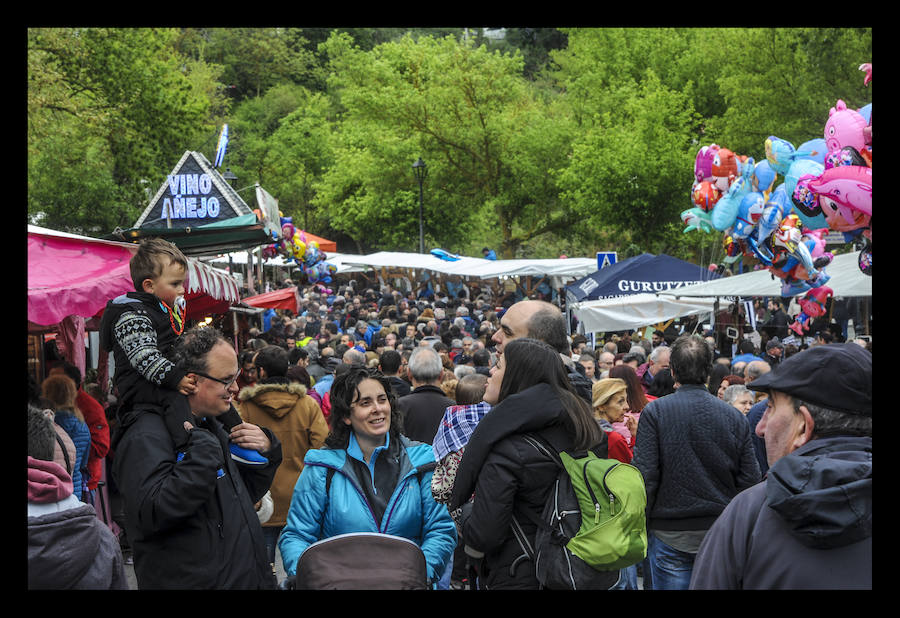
<point x="809" y="524"/>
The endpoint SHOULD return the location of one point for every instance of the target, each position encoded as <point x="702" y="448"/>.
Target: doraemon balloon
<point x="748" y="214"/>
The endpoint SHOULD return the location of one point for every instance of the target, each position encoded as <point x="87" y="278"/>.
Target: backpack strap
<point x="65" y="453"/>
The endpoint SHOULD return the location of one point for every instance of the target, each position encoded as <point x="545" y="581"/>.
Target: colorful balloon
<point x="813" y="305"/>
<point x="816" y="149"/>
<point x="287" y="230"/>
<point x="848" y="155"/>
<point x="844" y="128"/>
<point x="299" y="247"/>
<point x="763" y="177"/>
<point x="725" y="210"/>
<point x="703" y="163"/>
<point x="804" y="201"/>
<point x="748" y="214"/>
<point x="725" y="168"/>
<point x="845" y="195"/>
<point x="696" y="219"/>
<point x="781" y="154"/>
<point x="705" y="195"/>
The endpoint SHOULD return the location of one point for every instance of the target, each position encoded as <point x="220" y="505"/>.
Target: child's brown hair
<point x="152" y="256"/>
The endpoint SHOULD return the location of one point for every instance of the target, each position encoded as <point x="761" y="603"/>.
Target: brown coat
<point x="296" y="419"/>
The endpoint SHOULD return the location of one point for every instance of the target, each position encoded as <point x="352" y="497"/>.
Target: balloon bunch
<point x="293" y="245"/>
<point x="827" y="186"/>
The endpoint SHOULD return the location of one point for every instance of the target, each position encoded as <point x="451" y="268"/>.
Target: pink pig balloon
<point x="845" y="127"/>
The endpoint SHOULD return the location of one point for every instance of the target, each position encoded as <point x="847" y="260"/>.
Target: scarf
<point x="48" y="482"/>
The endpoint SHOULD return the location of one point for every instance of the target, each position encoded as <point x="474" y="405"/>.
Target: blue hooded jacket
<point x="411" y="512"/>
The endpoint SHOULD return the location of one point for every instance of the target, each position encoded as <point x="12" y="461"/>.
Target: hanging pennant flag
<point x="220" y="149"/>
<point x="750" y="314"/>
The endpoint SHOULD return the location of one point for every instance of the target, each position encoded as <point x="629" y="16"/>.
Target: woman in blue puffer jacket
<point x="374" y="483"/>
<point x="60" y="391"/>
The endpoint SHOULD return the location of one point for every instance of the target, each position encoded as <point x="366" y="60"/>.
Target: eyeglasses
<point x="225" y="383"/>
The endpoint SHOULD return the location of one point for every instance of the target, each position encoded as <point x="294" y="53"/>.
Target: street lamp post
<point x="421" y="171"/>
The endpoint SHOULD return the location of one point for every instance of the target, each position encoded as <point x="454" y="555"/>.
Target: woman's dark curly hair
<point x="344" y="391"/>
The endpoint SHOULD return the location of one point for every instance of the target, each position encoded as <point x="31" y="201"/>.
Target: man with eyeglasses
<point x="190" y="517"/>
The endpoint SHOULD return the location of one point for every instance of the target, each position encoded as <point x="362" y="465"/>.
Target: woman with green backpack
<point x="610" y="403"/>
<point x="534" y="406"/>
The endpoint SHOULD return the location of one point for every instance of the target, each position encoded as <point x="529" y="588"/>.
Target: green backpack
<point x="593" y="524"/>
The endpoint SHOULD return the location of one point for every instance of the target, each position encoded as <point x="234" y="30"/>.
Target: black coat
<point x="422" y="411"/>
<point x="400" y="386"/>
<point x="510" y="477"/>
<point x="192" y="523"/>
<point x="695" y="454"/>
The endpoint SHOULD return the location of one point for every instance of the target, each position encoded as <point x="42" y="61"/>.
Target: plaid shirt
<point x="456" y="427"/>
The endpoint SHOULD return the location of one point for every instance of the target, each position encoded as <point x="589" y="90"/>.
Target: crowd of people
<point x="374" y="410"/>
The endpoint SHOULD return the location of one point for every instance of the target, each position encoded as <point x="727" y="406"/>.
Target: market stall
<point x="645" y="273"/>
<point x="71" y="278"/>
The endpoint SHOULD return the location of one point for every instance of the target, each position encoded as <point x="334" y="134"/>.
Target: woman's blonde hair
<point x="60" y="390"/>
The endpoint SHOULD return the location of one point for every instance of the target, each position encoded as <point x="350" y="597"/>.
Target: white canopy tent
<point x="479" y="267"/>
<point x="566" y="268"/>
<point x="635" y="311"/>
<point x="846" y="280"/>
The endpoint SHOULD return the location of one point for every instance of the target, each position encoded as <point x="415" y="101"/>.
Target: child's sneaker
<point x="246" y="456"/>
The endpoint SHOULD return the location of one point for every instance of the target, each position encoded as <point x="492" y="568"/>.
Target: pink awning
<point x="73" y="275"/>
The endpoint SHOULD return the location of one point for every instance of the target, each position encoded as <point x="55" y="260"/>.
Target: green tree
<point x="113" y="107"/>
<point x="469" y="114"/>
<point x="255" y="59"/>
<point x="299" y="151"/>
<point x="630" y="174"/>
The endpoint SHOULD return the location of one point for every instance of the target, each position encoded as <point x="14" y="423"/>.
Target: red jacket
<point x="619" y="447"/>
<point x="95" y="417"/>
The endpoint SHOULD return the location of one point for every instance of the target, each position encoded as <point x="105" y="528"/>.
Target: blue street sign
<point x="605" y="258"/>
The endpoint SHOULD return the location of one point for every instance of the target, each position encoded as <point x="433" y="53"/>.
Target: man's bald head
<point x="537" y="319"/>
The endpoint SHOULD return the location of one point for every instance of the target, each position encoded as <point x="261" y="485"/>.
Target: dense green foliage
<point x="545" y="142"/>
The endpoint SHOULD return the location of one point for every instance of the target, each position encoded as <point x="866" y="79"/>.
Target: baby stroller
<point x="362" y="561"/>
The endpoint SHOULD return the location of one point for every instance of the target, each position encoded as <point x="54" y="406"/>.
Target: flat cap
<point x="836" y="376"/>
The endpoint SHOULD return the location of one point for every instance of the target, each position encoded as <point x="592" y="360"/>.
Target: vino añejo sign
<point x="192" y="194"/>
<point x="189" y="198"/>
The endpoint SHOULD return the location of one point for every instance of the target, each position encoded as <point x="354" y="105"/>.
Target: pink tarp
<point x="71" y="275"/>
<point x="77" y="275"/>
